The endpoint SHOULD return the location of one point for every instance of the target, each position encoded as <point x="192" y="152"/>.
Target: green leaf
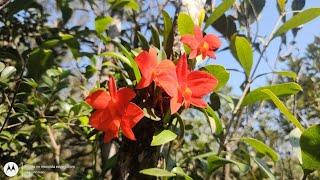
<point x="280" y="90"/>
<point x="220" y="73"/>
<point x="179" y="171"/>
<point x="50" y="43"/>
<point x="2" y="66"/>
<point x="59" y="125"/>
<point x="214" y="162"/>
<point x="298" y="20"/>
<point x="162" y="136"/>
<point x="157" y="172"/>
<point x="228" y="99"/>
<point x="261" y="148"/>
<point x="310" y="147"/>
<point x="294" y="139"/>
<point x="120" y="4"/>
<point x="132" y="61"/>
<point x="219" y="11"/>
<point x="217" y="123"/>
<point x="167" y="28"/>
<point x="185" y="24"/>
<point x="298" y="5"/>
<point x="244" y="53"/>
<point x="143" y="41"/>
<point x="117" y="56"/>
<point x="101" y="23"/>
<point x="262" y="165"/>
<point x="155" y="37"/>
<point x="283" y="109"/>
<point x="7" y="72"/>
<point x="39" y="61"/>
<point x="282" y="5"/>
<point x="72" y="44"/>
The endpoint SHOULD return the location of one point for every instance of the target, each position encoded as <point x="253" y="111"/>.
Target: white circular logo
<point x="10" y="169"/>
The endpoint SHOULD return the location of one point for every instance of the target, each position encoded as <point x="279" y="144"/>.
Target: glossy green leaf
<point x="310" y="148"/>
<point x="162" y="137"/>
<point x="283" y="108"/>
<point x="185" y="24"/>
<point x="298" y="20"/>
<point x="59" y="125"/>
<point x="294" y="139"/>
<point x="157" y="172"/>
<point x="261" y="148"/>
<point x="101" y="23"/>
<point x="155" y="37"/>
<point x="179" y="171"/>
<point x="117" y="56"/>
<point x="228" y="99"/>
<point x="244" y="53"/>
<point x="262" y="165"/>
<point x="219" y="11"/>
<point x="213" y="120"/>
<point x="72" y="44"/>
<point x="133" y="63"/>
<point x="220" y="73"/>
<point x="280" y="90"/>
<point x="167" y="28"/>
<point x="50" y="43"/>
<point x="143" y="41"/>
<point x="282" y="5"/>
<point x="215" y="162"/>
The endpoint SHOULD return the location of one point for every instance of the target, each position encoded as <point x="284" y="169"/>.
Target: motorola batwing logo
<point x="10" y="169"/>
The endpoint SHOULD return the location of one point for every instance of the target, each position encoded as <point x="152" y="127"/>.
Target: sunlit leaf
<point x="283" y="109"/>
<point x="280" y="90"/>
<point x="244" y="54"/>
<point x="185" y="24"/>
<point x="179" y="171"/>
<point x="219" y="11"/>
<point x="162" y="137"/>
<point x="101" y="23"/>
<point x="7" y="72"/>
<point x="220" y="73"/>
<point x="120" y="4"/>
<point x="157" y="172"/>
<point x="282" y="5"/>
<point x="310" y="148"/>
<point x="215" y="162"/>
<point x="117" y="56"/>
<point x="298" y="20"/>
<point x="262" y="165"/>
<point x="261" y="148"/>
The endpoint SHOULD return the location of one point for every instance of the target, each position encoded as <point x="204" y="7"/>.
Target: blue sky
<point x="267" y="21"/>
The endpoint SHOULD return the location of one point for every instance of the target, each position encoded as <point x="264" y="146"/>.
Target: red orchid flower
<point x="163" y="73"/>
<point x="114" y="110"/>
<point x="192" y="86"/>
<point x="205" y="45"/>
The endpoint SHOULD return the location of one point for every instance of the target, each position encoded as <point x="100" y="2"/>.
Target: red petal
<point x="133" y="114"/>
<point x="204" y="53"/>
<point x="213" y="41"/>
<point x="193" y="54"/>
<point x="128" y="132"/>
<point x="96" y="119"/>
<point x="211" y="54"/>
<point x="124" y="96"/>
<point x="98" y="99"/>
<point x="199" y="102"/>
<point x="175" y="102"/>
<point x="182" y="69"/>
<point x="112" y="87"/>
<point x="201" y="83"/>
<point x="190" y="41"/>
<point x="144" y="82"/>
<point x="198" y="33"/>
<point x="147" y="61"/>
<point x="167" y="78"/>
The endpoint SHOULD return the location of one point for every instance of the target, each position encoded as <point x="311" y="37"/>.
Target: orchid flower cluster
<point x="177" y="82"/>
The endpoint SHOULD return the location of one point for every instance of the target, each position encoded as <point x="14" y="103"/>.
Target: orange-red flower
<point x="205" y="45"/>
<point x="163" y="74"/>
<point x="114" y="110"/>
<point x="192" y="86"/>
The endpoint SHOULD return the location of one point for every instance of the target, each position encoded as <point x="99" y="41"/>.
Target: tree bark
<point x="138" y="155"/>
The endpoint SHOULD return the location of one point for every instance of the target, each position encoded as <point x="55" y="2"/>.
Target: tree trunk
<point x="137" y="155"/>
